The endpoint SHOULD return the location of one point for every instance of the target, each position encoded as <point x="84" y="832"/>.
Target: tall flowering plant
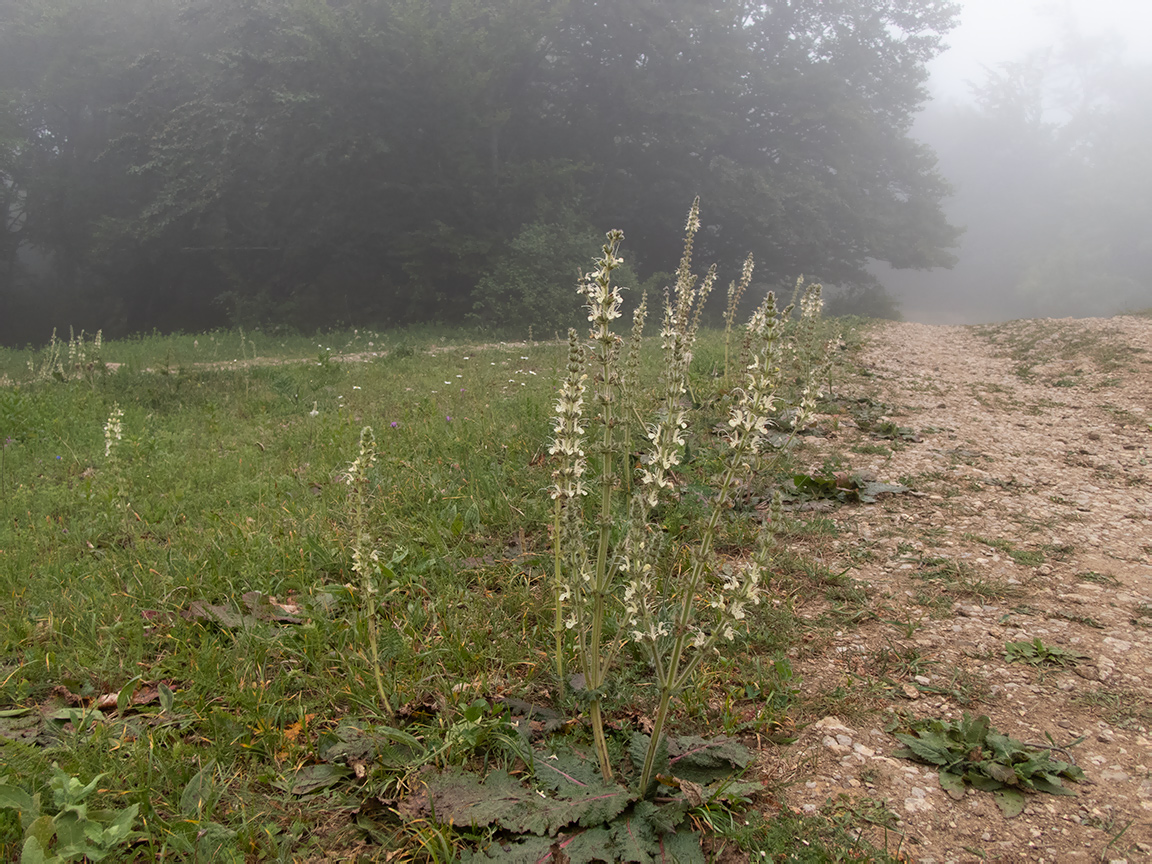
<point x="366" y="561"/>
<point x="675" y="616"/>
<point x="113" y="434"/>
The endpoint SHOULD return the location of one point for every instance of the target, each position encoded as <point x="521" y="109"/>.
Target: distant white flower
<point x="314" y="412"/>
<point x="112" y="430"/>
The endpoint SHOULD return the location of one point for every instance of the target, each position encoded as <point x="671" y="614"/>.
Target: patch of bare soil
<point x="1029" y="447"/>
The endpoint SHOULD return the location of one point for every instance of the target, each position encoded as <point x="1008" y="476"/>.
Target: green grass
<point x="232" y="481"/>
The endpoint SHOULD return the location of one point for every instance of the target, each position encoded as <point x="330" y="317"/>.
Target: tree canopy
<point x="186" y="163"/>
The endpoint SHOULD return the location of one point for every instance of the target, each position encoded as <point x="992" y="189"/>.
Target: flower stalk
<point x="113" y="434"/>
<point x="365" y="557"/>
<point x="675" y="615"/>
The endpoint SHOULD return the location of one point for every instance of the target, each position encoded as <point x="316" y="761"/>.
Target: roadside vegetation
<point x="284" y="597"/>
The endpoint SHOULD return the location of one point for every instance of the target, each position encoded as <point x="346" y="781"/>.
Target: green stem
<point x="670" y="678"/>
<point x="559" y="627"/>
<point x="727" y="338"/>
<point x="594" y="663"/>
<point x="373" y="645"/>
<point x="600" y="740"/>
<point x="657" y="731"/>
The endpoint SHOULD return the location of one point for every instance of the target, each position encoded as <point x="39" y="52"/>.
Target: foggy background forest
<point x="188" y="164"/>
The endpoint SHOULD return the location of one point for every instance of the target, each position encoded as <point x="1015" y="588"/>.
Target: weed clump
<point x="674" y="606"/>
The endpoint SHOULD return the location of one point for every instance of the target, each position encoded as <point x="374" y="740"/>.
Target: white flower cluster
<point x="364" y="557"/>
<point x="364" y="563"/>
<point x="112" y="431"/>
<point x="604" y="298"/>
<point x="358" y="470"/>
<point x="811" y="304"/>
<point x="568" y="433"/>
<point x="666" y="435"/>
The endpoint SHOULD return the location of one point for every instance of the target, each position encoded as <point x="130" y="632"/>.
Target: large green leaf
<point x="200" y="793"/>
<point x="1011" y="801"/>
<point x="16" y="798"/>
<point x="683" y="847"/>
<point x="934" y="751"/>
<point x="313" y="778"/>
<point x="704" y="760"/>
<point x="953" y="784"/>
<point x="971" y="751"/>
<point x="460" y="798"/>
<point x="634" y="837"/>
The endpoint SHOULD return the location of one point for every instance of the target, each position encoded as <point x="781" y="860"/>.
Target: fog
<point x="190" y="164"/>
<point x="1041" y="118"/>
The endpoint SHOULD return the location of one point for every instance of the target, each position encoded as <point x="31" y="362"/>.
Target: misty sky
<point x="991" y="33"/>
<point x="996" y="31"/>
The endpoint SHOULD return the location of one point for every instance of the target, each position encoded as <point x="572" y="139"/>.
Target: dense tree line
<point x="186" y="163"/>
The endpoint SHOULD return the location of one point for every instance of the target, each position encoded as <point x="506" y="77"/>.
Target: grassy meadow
<point x="178" y="611"/>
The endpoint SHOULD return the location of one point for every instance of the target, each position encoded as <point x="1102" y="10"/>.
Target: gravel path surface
<point x="1028" y="447"/>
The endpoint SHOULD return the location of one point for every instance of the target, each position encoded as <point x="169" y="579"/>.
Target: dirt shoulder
<point x="1028" y="445"/>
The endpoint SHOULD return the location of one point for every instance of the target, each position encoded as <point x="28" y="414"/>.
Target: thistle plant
<point x="674" y="615"/>
<point x="366" y="561"/>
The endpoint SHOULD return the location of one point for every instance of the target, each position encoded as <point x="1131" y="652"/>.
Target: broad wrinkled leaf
<point x="21" y="727"/>
<point x="683" y="847"/>
<point x="982" y="781"/>
<point x="264" y="608"/>
<point x="222" y="616"/>
<point x="953" y="784"/>
<point x="1011" y="802"/>
<point x="312" y="778"/>
<point x="930" y="751"/>
<point x="584" y="847"/>
<point x="563" y="768"/>
<point x="1052" y="786"/>
<point x="1000" y="772"/>
<point x="976" y="731"/>
<point x="525" y="850"/>
<point x="42" y="829"/>
<point x="121" y="826"/>
<point x="462" y="799"/>
<point x="638" y="751"/>
<point x="635" y="838"/>
<point x="703" y="760"/>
